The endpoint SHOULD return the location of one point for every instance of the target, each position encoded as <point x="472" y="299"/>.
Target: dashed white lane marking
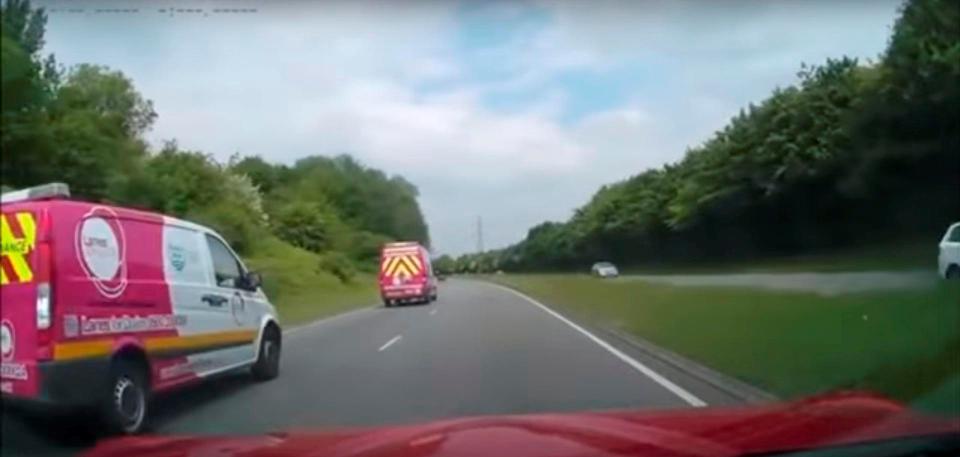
<point x="686" y="396"/>
<point x="295" y="330"/>
<point x="390" y="343"/>
<point x="433" y="311"/>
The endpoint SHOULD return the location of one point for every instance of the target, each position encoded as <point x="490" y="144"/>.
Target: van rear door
<point x="403" y="274"/>
<point x="19" y="278"/>
<point x="401" y="266"/>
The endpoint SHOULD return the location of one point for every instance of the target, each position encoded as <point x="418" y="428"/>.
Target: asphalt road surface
<point x="480" y="349"/>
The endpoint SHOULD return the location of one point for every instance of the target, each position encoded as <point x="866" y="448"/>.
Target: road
<point x="480" y="349"/>
<point x="832" y="283"/>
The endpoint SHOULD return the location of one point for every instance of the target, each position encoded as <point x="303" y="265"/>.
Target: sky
<point x="514" y="112"/>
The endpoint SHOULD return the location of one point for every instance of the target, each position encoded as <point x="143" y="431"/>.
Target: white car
<point x="949" y="260"/>
<point x="604" y="270"/>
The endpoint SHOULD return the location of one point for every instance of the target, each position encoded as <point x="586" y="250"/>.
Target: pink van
<point x="104" y="306"/>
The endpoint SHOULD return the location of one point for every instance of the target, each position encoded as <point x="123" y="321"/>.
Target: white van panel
<point x="188" y="272"/>
<point x="208" y="363"/>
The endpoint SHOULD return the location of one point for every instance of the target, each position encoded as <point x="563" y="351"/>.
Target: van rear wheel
<point x="124" y="408"/>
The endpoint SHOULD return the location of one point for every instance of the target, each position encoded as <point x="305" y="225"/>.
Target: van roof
<point x="129" y="212"/>
<point x="403" y="249"/>
<point x="43" y="192"/>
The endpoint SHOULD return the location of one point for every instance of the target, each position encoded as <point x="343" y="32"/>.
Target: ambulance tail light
<point x="44" y="305"/>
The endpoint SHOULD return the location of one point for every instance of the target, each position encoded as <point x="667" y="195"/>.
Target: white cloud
<point x="736" y="49"/>
<point x="449" y="136"/>
<point x="334" y="82"/>
<point x="431" y="69"/>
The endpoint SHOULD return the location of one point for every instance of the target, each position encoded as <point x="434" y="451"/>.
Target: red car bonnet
<point x="823" y="421"/>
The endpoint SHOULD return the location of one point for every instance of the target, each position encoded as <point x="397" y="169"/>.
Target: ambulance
<point x="406" y="274"/>
<point x="101" y="307"/>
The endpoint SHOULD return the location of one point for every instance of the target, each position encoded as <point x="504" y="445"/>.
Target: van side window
<point x="226" y="268"/>
<point x="954" y="235"/>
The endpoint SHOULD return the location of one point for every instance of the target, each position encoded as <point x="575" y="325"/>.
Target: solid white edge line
<point x="390" y="343"/>
<point x="686" y="396"/>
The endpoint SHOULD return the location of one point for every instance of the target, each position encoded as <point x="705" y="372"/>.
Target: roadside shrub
<point x="241" y="190"/>
<point x="184" y="181"/>
<point x="303" y="224"/>
<point x="364" y="248"/>
<point x="339" y="265"/>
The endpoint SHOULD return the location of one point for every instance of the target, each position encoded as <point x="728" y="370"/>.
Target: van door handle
<point x="214" y="300"/>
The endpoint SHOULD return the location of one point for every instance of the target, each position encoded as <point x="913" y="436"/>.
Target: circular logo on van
<point x="101" y="248"/>
<point x="6" y="340"/>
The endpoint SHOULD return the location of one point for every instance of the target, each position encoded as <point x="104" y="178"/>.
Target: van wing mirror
<point x="252" y="281"/>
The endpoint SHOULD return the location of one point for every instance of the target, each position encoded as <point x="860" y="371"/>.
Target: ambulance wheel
<point x="124" y="408"/>
<point x="267" y="366"/>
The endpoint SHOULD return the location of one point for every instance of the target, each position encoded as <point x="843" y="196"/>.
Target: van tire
<point x="267" y="366"/>
<point x="953" y="272"/>
<point x="124" y="408"/>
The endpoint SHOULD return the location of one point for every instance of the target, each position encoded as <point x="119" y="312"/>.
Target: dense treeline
<point x="85" y="126"/>
<point x="855" y="153"/>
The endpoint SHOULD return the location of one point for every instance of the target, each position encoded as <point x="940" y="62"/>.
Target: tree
<point x="85" y="131"/>
<point x="364" y="198"/>
<point x="183" y="180"/>
<point x="923" y="57"/>
<point x="444" y="265"/>
<point x="28" y="83"/>
<point x="305" y="225"/>
<point x="852" y="153"/>
<point x="264" y="175"/>
<point x="108" y="95"/>
<point x="364" y="247"/>
<point x="24" y="24"/>
<point x="86" y="127"/>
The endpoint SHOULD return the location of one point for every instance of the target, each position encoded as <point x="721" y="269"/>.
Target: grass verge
<point x="903" y="344"/>
<point x="300" y="289"/>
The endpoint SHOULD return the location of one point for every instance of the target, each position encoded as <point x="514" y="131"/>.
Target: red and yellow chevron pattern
<point x="18" y="237"/>
<point x="401" y="263"/>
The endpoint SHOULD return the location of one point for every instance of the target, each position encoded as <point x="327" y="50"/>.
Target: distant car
<point x="605" y="270"/>
<point x="949" y="260"/>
